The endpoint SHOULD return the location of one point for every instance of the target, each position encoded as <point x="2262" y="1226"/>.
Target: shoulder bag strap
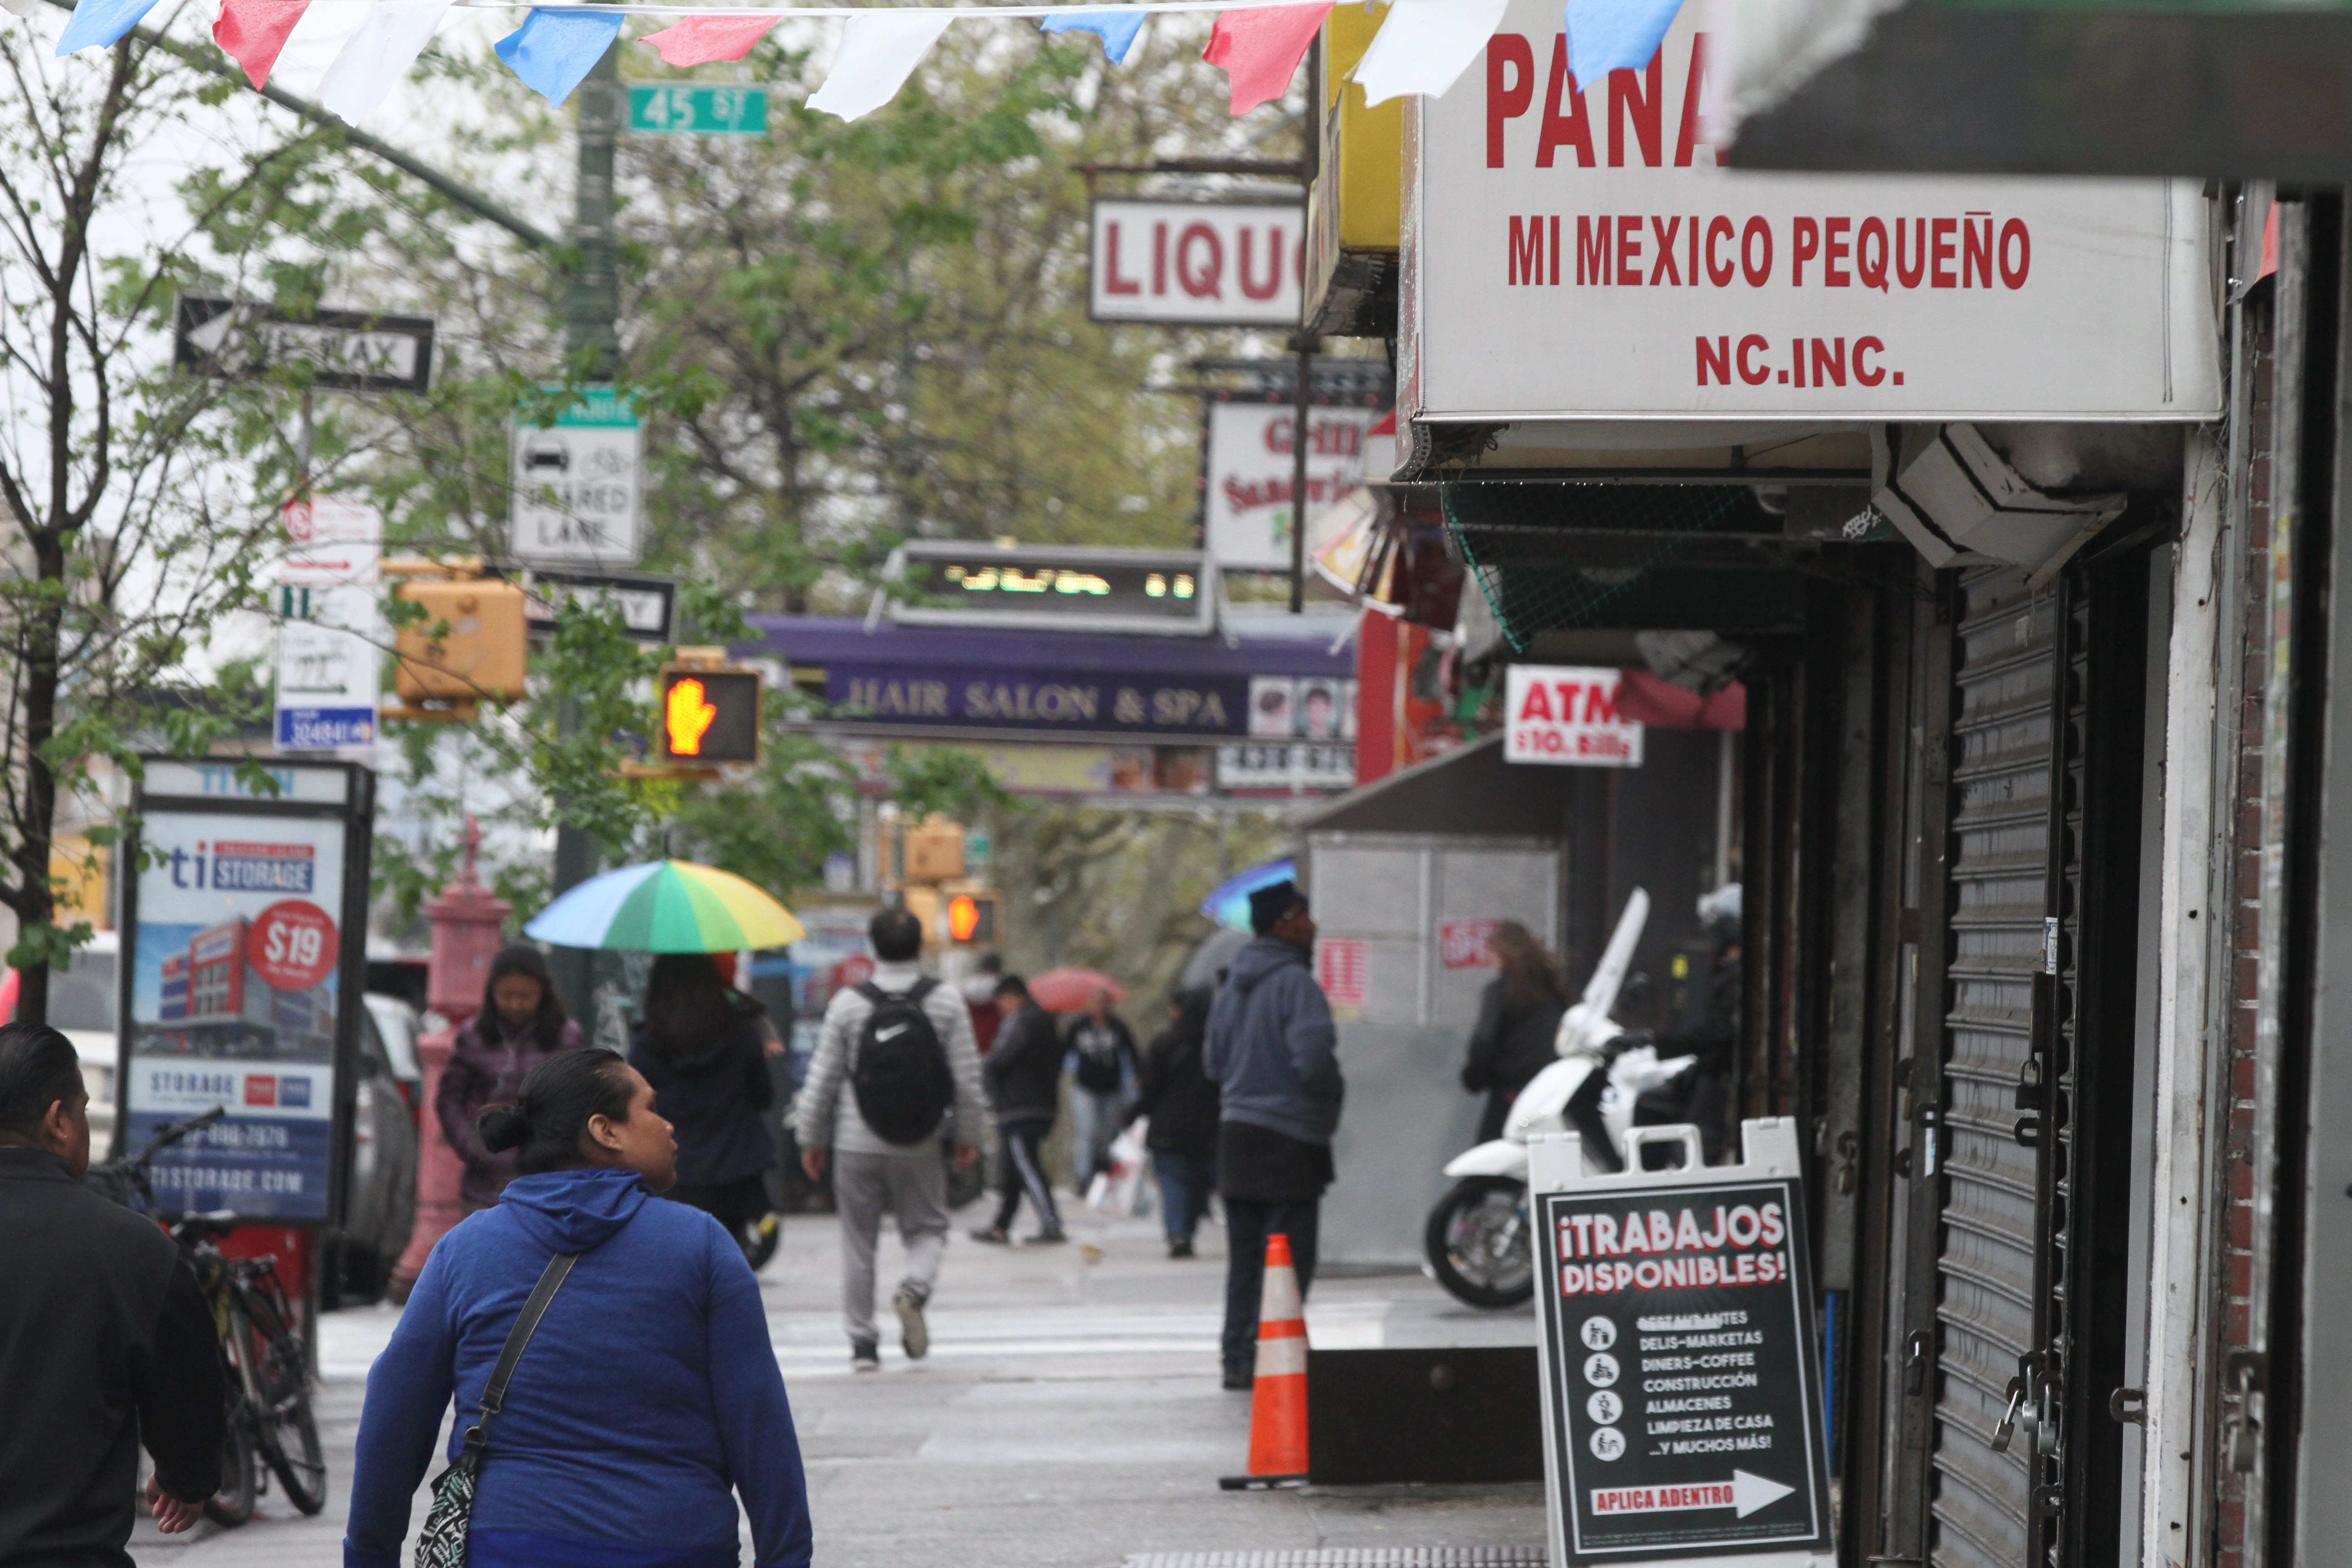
<point x="494" y="1392"/>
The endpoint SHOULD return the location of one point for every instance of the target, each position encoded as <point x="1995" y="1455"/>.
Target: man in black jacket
<point x="1024" y="1074"/>
<point x="105" y="1340"/>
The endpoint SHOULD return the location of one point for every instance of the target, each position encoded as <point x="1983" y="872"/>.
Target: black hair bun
<point x="503" y="1127"/>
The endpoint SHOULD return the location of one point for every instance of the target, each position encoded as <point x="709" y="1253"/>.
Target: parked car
<point x="380" y="1189"/>
<point x="81" y="1002"/>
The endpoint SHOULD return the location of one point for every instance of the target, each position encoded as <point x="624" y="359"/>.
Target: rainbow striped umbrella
<point x="666" y="906"/>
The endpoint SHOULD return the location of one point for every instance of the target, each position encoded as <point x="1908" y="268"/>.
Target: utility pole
<point x="591" y="339"/>
<point x="1310" y="148"/>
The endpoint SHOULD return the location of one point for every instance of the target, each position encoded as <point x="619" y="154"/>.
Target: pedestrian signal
<point x="971" y="919"/>
<point x="709" y="715"/>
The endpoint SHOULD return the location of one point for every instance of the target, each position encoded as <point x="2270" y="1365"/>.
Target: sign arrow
<point x="1743" y="1494"/>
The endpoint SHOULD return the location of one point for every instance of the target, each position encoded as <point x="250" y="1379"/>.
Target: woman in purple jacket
<point x="522" y="1024"/>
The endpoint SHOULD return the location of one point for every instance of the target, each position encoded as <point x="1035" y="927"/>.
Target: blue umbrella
<point x="1229" y="905"/>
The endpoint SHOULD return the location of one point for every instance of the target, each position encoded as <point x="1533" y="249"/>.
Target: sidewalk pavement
<point x="1068" y="1417"/>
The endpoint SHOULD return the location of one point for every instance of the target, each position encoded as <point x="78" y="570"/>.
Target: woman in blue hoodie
<point x="647" y="1396"/>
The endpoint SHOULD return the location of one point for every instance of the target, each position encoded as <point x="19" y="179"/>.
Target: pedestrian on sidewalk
<point x="106" y="1342"/>
<point x="1102" y="1072"/>
<point x="700" y="1044"/>
<point x="522" y="1022"/>
<point x="1181" y="1103"/>
<point x="1518" y="1016"/>
<point x="895" y="1067"/>
<point x="979" y="989"/>
<point x="649" y="1392"/>
<point x="1024" y="1074"/>
<point x="1271" y="1050"/>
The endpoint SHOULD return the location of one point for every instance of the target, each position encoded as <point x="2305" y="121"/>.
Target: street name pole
<point x="592" y="343"/>
<point x="1310" y="150"/>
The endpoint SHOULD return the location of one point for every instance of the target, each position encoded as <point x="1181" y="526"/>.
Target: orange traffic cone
<point x="1277" y="1456"/>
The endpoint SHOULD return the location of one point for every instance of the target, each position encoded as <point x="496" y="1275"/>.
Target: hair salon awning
<point x="1268" y="676"/>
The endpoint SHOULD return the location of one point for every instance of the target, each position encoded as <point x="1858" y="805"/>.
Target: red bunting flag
<point x="699" y="40"/>
<point x="1260" y="49"/>
<point x="251" y="32"/>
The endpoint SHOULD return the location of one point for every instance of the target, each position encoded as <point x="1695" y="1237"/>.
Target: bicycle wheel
<point x="240" y="1479"/>
<point x="287" y="1433"/>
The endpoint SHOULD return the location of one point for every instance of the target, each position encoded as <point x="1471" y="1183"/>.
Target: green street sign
<point x="698" y="111"/>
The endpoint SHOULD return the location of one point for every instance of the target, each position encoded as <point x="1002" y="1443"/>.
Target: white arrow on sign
<point x="1743" y="1494"/>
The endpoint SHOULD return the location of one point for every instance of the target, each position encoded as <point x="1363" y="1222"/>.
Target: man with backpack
<point x="895" y="1065"/>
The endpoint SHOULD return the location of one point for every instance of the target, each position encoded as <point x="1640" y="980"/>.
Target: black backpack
<point x="900" y="1073"/>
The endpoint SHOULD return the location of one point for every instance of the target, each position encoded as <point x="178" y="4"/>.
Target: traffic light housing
<point x="707" y="716"/>
<point x="469" y="645"/>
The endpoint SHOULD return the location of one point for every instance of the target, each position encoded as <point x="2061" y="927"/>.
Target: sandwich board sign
<point x="1682" y="1380"/>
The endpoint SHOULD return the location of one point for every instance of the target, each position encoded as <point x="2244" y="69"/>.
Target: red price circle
<point x="292" y="945"/>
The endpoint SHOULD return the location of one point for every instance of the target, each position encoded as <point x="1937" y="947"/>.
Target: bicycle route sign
<point x="1682" y="1381"/>
<point x="578" y="485"/>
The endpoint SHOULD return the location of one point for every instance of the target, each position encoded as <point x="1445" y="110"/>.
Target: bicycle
<point x="262" y="1356"/>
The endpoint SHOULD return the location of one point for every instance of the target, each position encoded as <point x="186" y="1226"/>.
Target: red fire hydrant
<point x="465" y="920"/>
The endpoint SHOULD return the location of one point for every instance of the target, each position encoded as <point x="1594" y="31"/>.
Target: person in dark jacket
<point x="1700" y="1094"/>
<point x="1519" y="1019"/>
<point x="1182" y="1132"/>
<point x="1102" y="1070"/>
<point x="701" y="1047"/>
<point x="1271" y="1050"/>
<point x="1023" y="1074"/>
<point x="522" y="1024"/>
<point x="649" y="1393"/>
<point x="106" y="1342"/>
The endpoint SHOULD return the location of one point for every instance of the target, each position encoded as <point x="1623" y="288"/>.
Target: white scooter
<point x="1476" y="1239"/>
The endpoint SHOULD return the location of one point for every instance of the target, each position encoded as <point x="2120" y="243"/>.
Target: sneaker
<point x="914" y="1334"/>
<point x="1048" y="1238"/>
<point x="864" y="1355"/>
<point x="1181" y="1248"/>
<point x="991" y="1235"/>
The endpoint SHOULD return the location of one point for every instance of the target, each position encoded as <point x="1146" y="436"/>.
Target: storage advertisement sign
<point x="1580" y="251"/>
<point x="1684" y="1384"/>
<point x="234" y="992"/>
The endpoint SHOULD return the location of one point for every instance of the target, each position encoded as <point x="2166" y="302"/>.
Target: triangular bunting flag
<point x="251" y="32"/>
<point x="1115" y="28"/>
<point x="1425" y="45"/>
<point x="376" y="56"/>
<point x="879" y="50"/>
<point x="553" y="51"/>
<point x="700" y="40"/>
<point x="99" y="24"/>
<point x="1606" y="35"/>
<point x="1260" y="49"/>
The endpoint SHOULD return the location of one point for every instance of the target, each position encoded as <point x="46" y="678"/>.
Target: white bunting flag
<point x="1425" y="45"/>
<point x="878" y="52"/>
<point x="377" y="55"/>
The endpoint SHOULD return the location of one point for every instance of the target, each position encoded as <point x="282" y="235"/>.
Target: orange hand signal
<point x="688" y="717"/>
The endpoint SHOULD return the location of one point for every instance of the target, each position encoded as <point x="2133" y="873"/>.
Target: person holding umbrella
<point x="701" y="1042"/>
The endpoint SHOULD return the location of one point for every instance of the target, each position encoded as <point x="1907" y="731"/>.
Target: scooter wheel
<point x="1477" y="1243"/>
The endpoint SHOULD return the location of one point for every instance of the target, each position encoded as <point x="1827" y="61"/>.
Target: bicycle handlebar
<point x="172" y="1132"/>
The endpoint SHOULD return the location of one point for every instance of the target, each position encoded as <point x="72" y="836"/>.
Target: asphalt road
<point x="1068" y="1417"/>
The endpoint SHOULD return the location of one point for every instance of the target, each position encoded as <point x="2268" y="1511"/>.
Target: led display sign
<point x="1074" y="588"/>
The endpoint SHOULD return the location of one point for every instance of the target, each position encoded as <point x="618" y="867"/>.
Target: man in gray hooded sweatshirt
<point x="1270" y="1051"/>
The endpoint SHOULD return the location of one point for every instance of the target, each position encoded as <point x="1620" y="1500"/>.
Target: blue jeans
<point x="1187" y="1177"/>
<point x="1100" y="1113"/>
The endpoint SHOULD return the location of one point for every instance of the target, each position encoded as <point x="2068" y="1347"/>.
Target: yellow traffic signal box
<point x="469" y="644"/>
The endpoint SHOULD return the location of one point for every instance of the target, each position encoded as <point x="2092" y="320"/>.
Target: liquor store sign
<point x="1578" y="252"/>
<point x="1682" y="1382"/>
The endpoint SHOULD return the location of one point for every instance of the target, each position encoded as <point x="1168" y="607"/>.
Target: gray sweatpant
<point x="914" y="1187"/>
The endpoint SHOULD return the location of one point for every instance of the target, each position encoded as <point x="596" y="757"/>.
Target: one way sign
<point x="1743" y="1494"/>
